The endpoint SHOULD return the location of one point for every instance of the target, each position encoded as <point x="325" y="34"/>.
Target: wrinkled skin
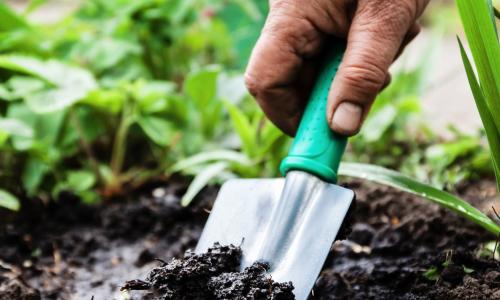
<point x="285" y="59"/>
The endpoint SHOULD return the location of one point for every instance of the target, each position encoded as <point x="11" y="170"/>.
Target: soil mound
<point x="211" y="275"/>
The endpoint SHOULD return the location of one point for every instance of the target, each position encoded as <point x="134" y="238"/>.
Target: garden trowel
<point x="289" y="223"/>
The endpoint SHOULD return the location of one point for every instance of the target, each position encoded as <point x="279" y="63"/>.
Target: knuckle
<point x="254" y="86"/>
<point x="290" y="26"/>
<point x="389" y="16"/>
<point x="368" y="77"/>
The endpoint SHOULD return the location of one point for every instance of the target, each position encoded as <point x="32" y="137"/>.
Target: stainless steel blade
<point x="289" y="224"/>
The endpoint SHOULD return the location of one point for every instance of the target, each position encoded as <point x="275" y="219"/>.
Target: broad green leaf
<point x="209" y="156"/>
<point x="157" y="129"/>
<point x="201" y="180"/>
<point x="69" y="84"/>
<point x="80" y="180"/>
<point x="105" y="52"/>
<point x="487" y="118"/>
<point x="16" y="127"/>
<point x="53" y="100"/>
<point x="52" y="71"/>
<point x="243" y="128"/>
<point x="152" y="95"/>
<point x="21" y="86"/>
<point x="407" y="184"/>
<point x="108" y="100"/>
<point x="9" y="201"/>
<point x="201" y="86"/>
<point x="485" y="48"/>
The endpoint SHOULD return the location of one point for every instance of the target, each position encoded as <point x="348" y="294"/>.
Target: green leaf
<point x="21" y="86"/>
<point x="243" y="128"/>
<point x="485" y="48"/>
<point x="16" y="127"/>
<point x="69" y="84"/>
<point x="201" y="86"/>
<point x="432" y="274"/>
<point x="209" y="156"/>
<point x="157" y="129"/>
<point x="492" y="133"/>
<point x="201" y="180"/>
<point x="54" y="99"/>
<point x="152" y="95"/>
<point x="10" y="20"/>
<point x="467" y="270"/>
<point x="52" y="71"/>
<point x="442" y="155"/>
<point x="80" y="180"/>
<point x="9" y="201"/>
<point x="33" y="174"/>
<point x="407" y="184"/>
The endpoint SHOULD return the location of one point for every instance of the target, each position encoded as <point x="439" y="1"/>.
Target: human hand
<point x="283" y="64"/>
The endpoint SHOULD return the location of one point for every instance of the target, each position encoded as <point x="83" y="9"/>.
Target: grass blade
<point x="492" y="133"/>
<point x="209" y="156"/>
<point x="483" y="41"/>
<point x="201" y="180"/>
<point x="402" y="182"/>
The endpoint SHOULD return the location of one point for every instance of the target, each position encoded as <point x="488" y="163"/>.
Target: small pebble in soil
<point x="211" y="275"/>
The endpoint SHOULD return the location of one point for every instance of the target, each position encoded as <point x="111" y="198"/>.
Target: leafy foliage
<point x="116" y="93"/>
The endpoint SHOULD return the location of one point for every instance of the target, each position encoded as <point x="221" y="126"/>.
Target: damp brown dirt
<point x="65" y="250"/>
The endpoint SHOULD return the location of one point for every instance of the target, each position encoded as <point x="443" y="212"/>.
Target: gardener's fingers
<point x="374" y="40"/>
<point x="276" y="66"/>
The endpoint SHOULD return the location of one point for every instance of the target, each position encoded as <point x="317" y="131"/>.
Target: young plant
<point x="480" y="28"/>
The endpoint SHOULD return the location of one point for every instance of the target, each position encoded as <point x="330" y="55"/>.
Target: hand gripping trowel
<point x="289" y="223"/>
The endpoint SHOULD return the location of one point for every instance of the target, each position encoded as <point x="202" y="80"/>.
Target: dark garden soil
<point x="65" y="250"/>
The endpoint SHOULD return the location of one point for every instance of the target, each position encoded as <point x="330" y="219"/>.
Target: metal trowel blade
<point x="289" y="223"/>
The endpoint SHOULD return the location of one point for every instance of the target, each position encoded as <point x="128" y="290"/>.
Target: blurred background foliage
<point x="119" y="92"/>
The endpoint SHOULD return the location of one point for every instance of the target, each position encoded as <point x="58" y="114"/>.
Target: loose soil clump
<point x="211" y="275"/>
<point x="65" y="250"/>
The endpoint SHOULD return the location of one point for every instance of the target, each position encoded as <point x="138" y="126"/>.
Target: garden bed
<point x="65" y="250"/>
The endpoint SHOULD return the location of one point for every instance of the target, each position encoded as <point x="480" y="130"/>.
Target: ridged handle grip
<point x="316" y="149"/>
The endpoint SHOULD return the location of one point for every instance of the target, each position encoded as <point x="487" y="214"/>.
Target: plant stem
<point x="119" y="146"/>
<point x="85" y="145"/>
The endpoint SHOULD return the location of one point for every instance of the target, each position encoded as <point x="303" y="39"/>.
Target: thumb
<point x="373" y="42"/>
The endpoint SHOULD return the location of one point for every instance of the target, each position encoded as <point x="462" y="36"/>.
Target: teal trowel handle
<point x="316" y="148"/>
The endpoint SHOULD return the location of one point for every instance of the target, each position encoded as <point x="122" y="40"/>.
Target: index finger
<point x="276" y="67"/>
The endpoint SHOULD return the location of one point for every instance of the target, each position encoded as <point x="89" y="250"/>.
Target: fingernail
<point x="347" y="118"/>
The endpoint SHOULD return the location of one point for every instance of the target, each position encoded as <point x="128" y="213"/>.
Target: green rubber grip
<point x="316" y="149"/>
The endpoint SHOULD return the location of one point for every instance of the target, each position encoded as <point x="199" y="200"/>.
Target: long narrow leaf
<point x="483" y="41"/>
<point x="243" y="127"/>
<point x="209" y="156"/>
<point x="492" y="133"/>
<point x="407" y="184"/>
<point x="201" y="180"/>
